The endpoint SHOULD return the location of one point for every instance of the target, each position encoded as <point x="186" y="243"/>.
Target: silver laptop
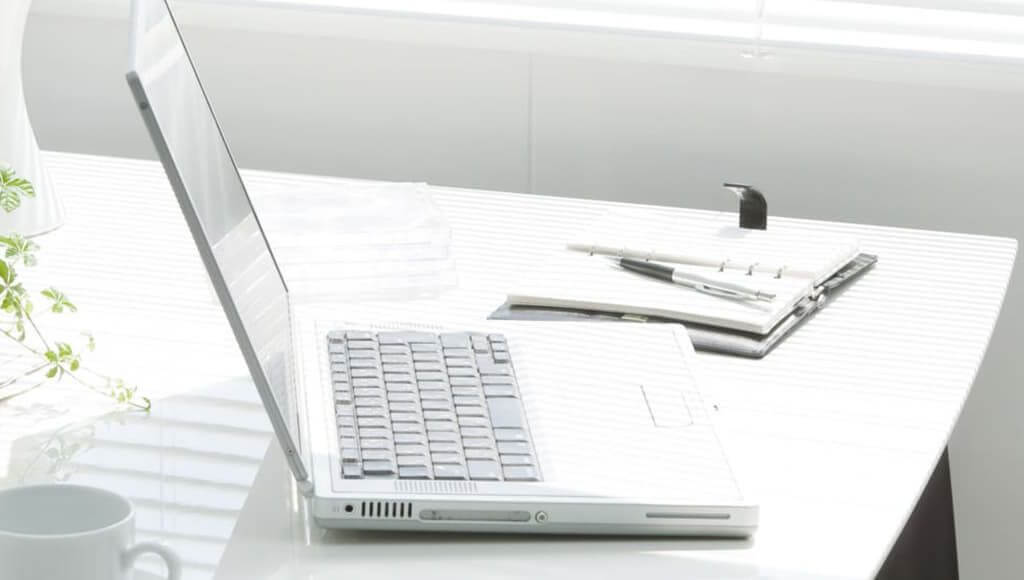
<point x="486" y="426"/>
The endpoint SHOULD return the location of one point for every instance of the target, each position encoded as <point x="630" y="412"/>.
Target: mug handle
<point x="168" y="555"/>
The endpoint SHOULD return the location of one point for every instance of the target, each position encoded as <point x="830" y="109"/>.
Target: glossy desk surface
<point x="836" y="432"/>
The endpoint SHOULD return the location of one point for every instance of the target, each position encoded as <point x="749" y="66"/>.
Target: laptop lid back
<point x="219" y="213"/>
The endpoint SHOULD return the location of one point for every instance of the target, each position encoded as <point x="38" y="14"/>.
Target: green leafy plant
<point x="56" y="360"/>
<point x="13" y="188"/>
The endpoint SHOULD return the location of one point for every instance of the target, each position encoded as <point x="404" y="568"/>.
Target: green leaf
<point x="52" y="372"/>
<point x="13" y="189"/>
<point x="18" y="248"/>
<point x="59" y="300"/>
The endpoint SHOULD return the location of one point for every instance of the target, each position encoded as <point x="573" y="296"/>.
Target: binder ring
<point x="782" y="268"/>
<point x="723" y="264"/>
<point x="750" y="268"/>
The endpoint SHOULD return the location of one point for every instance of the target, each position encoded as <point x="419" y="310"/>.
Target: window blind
<point x="969" y="28"/>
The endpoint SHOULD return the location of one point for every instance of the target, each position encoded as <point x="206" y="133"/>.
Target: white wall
<point x="865" y="139"/>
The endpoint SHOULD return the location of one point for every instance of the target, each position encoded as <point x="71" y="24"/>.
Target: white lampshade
<point x="18" y="147"/>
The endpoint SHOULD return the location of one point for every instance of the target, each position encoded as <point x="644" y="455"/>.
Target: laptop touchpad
<point x="666" y="405"/>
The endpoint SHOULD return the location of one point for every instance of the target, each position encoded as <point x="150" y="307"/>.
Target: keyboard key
<point x="441" y="426"/>
<point x="371" y="412"/>
<point x="439" y="415"/>
<point x="406" y="418"/>
<point x="410" y="438"/>
<point x="398" y="397"/>
<point x="445" y="447"/>
<point x="362" y="354"/>
<point x="467" y="400"/>
<point x="496" y="337"/>
<point x="400" y="387"/>
<point x="492" y="368"/>
<point x="455" y="340"/>
<point x="394" y="349"/>
<point x="367" y="382"/>
<point x="483" y="469"/>
<point x="395" y="358"/>
<point x="445" y="471"/>
<point x="399" y="407"/>
<point x="469" y="421"/>
<point x="497" y="380"/>
<point x="457" y="353"/>
<point x="436" y="405"/>
<point x="477" y="443"/>
<point x="426" y="356"/>
<point x="505" y="412"/>
<point x="476" y="432"/>
<point x="347" y="443"/>
<point x="513" y="447"/>
<point x="412" y="460"/>
<point x="464" y="382"/>
<point x="474" y="392"/>
<point x="336" y="348"/>
<point x="368" y="443"/>
<point x="375" y="432"/>
<point x="413" y="472"/>
<point x="430" y="376"/>
<point x="420" y="347"/>
<point x="373" y="391"/>
<point x="519" y="473"/>
<point x="480" y="343"/>
<point x="433" y="436"/>
<point x="364" y="372"/>
<point x="368" y="401"/>
<point x="364" y="363"/>
<point x="379" y="467"/>
<point x="364" y="422"/>
<point x="352" y="471"/>
<point x="411" y="449"/>
<point x="429" y="366"/>
<point x="396" y="367"/>
<point x="406" y="428"/>
<point x="480" y="453"/>
<point x="434" y="395"/>
<point x="507" y="434"/>
<point x="339" y="377"/>
<point x="442" y="458"/>
<point x="458" y="362"/>
<point x="363" y="344"/>
<point x="398" y="377"/>
<point x="339" y="367"/>
<point x="358" y="335"/>
<point x="477" y="410"/>
<point x="501" y="356"/>
<point x="375" y="454"/>
<point x="500" y="390"/>
<point x="346" y="431"/>
<point x="349" y="455"/>
<point x="404" y="337"/>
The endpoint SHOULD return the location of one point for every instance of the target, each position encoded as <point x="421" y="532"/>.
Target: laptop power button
<point x="541" y="517"/>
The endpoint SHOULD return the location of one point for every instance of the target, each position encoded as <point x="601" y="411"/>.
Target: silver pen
<point x="694" y="281"/>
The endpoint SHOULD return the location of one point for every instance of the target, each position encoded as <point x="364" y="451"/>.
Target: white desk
<point x="837" y="431"/>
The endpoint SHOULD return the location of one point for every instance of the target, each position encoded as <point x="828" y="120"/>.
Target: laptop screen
<point x="217" y="207"/>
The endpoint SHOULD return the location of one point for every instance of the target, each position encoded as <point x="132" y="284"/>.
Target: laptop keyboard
<point x="418" y="405"/>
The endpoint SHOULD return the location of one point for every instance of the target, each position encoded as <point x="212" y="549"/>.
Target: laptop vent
<point x="392" y="510"/>
<point x="436" y="486"/>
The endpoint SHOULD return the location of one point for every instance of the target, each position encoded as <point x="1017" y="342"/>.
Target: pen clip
<point x="725" y="292"/>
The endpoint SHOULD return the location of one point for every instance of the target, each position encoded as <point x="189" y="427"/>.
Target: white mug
<point x="71" y="532"/>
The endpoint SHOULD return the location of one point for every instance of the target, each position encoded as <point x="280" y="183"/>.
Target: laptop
<point x="475" y="426"/>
